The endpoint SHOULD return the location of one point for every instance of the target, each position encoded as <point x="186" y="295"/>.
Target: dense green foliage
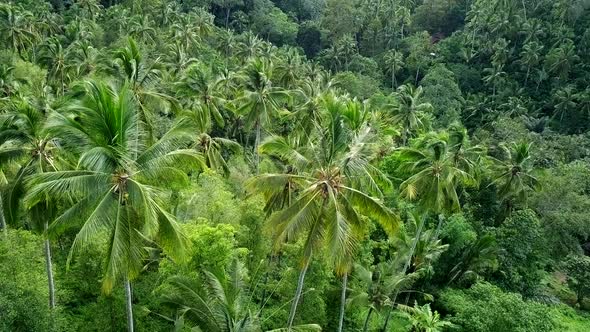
<point x="295" y="165"/>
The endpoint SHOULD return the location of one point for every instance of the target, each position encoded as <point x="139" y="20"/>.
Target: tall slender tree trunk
<point x="526" y="79"/>
<point x="342" y="301"/>
<point x="256" y="143"/>
<point x="129" y="306"/>
<point x="2" y="220"/>
<point x="406" y="266"/>
<point x="227" y="11"/>
<point x="49" y="267"/>
<point x="297" y="294"/>
<point x="367" y="320"/>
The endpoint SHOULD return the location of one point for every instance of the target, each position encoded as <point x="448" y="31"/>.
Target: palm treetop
<point x="331" y="184"/>
<point x="514" y="174"/>
<point x="116" y="185"/>
<point x="433" y="170"/>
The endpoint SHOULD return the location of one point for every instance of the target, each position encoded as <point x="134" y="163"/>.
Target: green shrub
<point x="486" y="308"/>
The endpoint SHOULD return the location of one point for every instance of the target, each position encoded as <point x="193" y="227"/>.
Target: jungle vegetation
<point x="295" y="165"/>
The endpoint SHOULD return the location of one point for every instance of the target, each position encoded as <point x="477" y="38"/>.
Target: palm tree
<point x="83" y="59"/>
<point x="533" y="29"/>
<point x="418" y="250"/>
<point x="141" y="76"/>
<point x="408" y="110"/>
<point x="140" y="28"/>
<point x="494" y="77"/>
<point x="289" y="68"/>
<point x="54" y="55"/>
<point x="335" y="183"/>
<point x="115" y="188"/>
<point x="565" y="102"/>
<point x="260" y="100"/>
<point x="380" y="284"/>
<point x="394" y="61"/>
<point x="17" y="28"/>
<point x="478" y="257"/>
<point x="178" y="59"/>
<point x="23" y="139"/>
<point x="250" y="47"/>
<point x="422" y="319"/>
<point x="560" y="60"/>
<point x="513" y="175"/>
<point x="8" y="84"/>
<point x="215" y="302"/>
<point x="226" y="43"/>
<point x="530" y="57"/>
<point x="211" y="148"/>
<point x="199" y="85"/>
<point x="90" y="8"/>
<point x="432" y="176"/>
<point x="465" y="156"/>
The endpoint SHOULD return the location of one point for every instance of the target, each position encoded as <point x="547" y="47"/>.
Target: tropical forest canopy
<point x="295" y="165"/>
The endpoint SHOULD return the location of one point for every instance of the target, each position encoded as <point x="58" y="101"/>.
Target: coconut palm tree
<point x="565" y="102"/>
<point x="495" y="76"/>
<point x="211" y="148"/>
<point x="141" y="76"/>
<point x="202" y="89"/>
<point x="422" y="319"/>
<point x="394" y="61"/>
<point x="513" y="175"/>
<point x="480" y="256"/>
<point x="530" y="57"/>
<point x="54" y="56"/>
<point x="289" y="68"/>
<point x="83" y="59"/>
<point x="250" y="47"/>
<point x="140" y="27"/>
<point x="115" y="188"/>
<point x="260" y="100"/>
<point x="90" y="8"/>
<point x="17" y="28"/>
<point x="217" y="301"/>
<point x="335" y="184"/>
<point x="417" y="249"/>
<point x="432" y="175"/>
<point x="465" y="156"/>
<point x="408" y="110"/>
<point x="379" y="285"/>
<point x="23" y="140"/>
<point x="560" y="60"/>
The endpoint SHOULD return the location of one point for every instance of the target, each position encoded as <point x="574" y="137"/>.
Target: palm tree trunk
<point x="297" y="294"/>
<point x="342" y="301"/>
<point x="256" y="143"/>
<point x="227" y="11"/>
<point x="367" y="320"/>
<point x="526" y="79"/>
<point x="128" y="298"/>
<point x="2" y="220"/>
<point x="406" y="266"/>
<point x="49" y="268"/>
<point x="439" y="226"/>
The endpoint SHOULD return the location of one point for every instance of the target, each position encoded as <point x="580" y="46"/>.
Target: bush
<point x="23" y="285"/>
<point x="486" y="308"/>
